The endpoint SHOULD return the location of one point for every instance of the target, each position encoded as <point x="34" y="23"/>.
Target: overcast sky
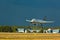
<point x="15" y="12"/>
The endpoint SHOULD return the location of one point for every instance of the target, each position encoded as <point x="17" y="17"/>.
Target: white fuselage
<point x="39" y="21"/>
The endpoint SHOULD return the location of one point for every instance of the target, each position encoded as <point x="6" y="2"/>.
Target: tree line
<point x="14" y="28"/>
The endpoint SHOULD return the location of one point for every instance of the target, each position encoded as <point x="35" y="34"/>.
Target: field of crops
<point x="29" y="36"/>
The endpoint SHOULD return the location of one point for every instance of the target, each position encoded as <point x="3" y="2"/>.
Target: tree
<point x="5" y="29"/>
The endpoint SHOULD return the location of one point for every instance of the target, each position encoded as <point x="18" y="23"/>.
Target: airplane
<point x="39" y="21"/>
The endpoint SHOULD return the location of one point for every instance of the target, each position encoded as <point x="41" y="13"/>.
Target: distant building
<point x="45" y="31"/>
<point x="21" y="30"/>
<point x="52" y="31"/>
<point x="56" y="31"/>
<point x="49" y="30"/>
<point x="34" y="31"/>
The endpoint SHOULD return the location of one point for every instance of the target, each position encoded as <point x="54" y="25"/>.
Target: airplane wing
<point x="45" y="21"/>
<point x="28" y="20"/>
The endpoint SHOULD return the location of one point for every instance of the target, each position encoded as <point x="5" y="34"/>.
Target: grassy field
<point x="29" y="36"/>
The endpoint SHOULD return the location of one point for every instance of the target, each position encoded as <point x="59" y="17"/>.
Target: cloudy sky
<point x="15" y="12"/>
